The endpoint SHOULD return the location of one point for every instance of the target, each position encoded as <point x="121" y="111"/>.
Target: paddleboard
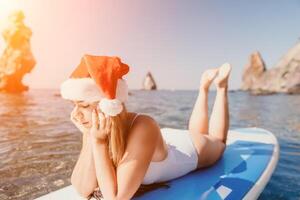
<point x="243" y="171"/>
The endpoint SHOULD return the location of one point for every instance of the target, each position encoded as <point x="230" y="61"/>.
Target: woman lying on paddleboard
<point x="122" y="151"/>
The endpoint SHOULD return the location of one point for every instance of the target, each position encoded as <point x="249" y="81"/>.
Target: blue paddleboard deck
<point x="248" y="162"/>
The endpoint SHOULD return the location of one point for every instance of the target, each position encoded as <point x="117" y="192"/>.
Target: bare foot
<point x="221" y="81"/>
<point x="207" y="77"/>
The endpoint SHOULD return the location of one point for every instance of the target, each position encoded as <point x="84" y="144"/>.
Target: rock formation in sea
<point x="283" y="78"/>
<point x="149" y="83"/>
<point x="17" y="58"/>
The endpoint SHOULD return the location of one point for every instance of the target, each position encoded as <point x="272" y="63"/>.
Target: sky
<point x="175" y="40"/>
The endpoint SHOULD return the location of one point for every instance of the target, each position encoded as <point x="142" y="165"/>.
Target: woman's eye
<point x="85" y="106"/>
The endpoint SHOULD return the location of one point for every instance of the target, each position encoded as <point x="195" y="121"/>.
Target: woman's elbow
<point x="123" y="196"/>
<point x="81" y="188"/>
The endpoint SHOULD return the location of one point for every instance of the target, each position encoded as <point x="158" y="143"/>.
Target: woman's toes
<point x="224" y="70"/>
<point x="222" y="79"/>
<point x="208" y="76"/>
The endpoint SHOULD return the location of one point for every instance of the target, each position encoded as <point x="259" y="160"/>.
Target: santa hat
<point x="98" y="78"/>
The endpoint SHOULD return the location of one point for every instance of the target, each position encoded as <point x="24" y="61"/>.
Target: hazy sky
<point x="175" y="39"/>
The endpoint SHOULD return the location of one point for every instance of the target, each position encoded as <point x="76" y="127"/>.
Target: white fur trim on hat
<point x="111" y="107"/>
<point x="85" y="89"/>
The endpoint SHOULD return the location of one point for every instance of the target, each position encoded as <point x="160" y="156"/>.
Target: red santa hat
<point x="98" y="78"/>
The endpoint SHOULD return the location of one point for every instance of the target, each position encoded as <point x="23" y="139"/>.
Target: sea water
<point x="39" y="145"/>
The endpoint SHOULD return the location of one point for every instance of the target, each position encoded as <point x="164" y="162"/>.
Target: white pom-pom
<point x="110" y="107"/>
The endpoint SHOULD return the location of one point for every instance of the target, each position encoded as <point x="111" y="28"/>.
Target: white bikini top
<point x="181" y="159"/>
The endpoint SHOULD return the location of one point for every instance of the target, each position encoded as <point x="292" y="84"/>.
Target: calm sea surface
<point x="39" y="145"/>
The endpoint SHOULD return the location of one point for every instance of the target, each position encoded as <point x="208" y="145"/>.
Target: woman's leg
<point x="198" y="123"/>
<point x="219" y="120"/>
<point x="211" y="147"/>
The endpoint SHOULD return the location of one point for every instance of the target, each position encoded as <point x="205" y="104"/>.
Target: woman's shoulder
<point x="146" y="124"/>
<point x="144" y="120"/>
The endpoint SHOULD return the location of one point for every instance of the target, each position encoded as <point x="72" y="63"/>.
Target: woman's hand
<point x="79" y="125"/>
<point x="101" y="126"/>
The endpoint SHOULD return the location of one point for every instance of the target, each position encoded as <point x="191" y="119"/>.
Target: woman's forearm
<point x="84" y="175"/>
<point x="105" y="171"/>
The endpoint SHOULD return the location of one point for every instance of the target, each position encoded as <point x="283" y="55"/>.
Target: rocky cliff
<point x="284" y="77"/>
<point x="149" y="83"/>
<point x="17" y="59"/>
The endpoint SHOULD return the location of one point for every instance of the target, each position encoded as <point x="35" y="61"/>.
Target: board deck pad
<point x="248" y="154"/>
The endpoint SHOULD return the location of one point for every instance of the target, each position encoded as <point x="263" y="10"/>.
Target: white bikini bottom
<point x="182" y="157"/>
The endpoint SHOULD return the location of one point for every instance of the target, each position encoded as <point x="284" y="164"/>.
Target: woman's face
<point x="82" y="112"/>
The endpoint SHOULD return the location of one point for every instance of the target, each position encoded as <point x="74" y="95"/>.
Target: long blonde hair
<point x="118" y="136"/>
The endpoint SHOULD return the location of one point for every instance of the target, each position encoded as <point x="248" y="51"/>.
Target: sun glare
<point x="7" y="6"/>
